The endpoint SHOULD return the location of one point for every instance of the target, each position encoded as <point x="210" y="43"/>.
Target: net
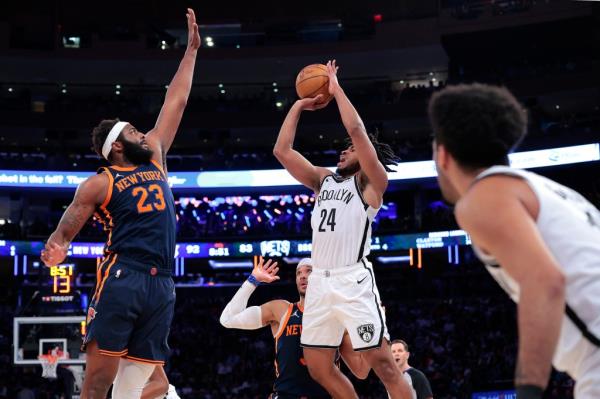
<point x="49" y="363"/>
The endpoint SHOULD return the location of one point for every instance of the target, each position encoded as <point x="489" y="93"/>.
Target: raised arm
<point x="367" y="157"/>
<point x="237" y="315"/>
<point x="177" y="95"/>
<point x="89" y="194"/>
<point x="498" y="222"/>
<point x="298" y="166"/>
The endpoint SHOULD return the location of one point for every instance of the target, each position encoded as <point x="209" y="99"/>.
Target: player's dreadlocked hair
<point x="384" y="151"/>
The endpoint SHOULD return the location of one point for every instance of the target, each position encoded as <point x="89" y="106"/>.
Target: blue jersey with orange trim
<point x="139" y="216"/>
<point x="290" y="367"/>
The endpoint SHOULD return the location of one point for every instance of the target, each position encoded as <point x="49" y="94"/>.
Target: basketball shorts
<point x="580" y="358"/>
<point x="131" y="312"/>
<point x="344" y="299"/>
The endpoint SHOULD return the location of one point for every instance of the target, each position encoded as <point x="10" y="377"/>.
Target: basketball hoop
<point x="49" y="363"/>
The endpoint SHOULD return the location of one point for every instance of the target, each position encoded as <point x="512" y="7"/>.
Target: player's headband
<point x="112" y="137"/>
<point x="304" y="262"/>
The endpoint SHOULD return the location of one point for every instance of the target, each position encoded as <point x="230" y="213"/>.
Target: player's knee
<point x="100" y="379"/>
<point x="385" y="369"/>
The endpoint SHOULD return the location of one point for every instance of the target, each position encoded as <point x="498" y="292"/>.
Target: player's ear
<point x="117" y="146"/>
<point x="440" y="156"/>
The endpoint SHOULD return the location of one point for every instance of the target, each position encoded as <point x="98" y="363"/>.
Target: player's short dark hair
<point x="384" y="151"/>
<point x="478" y="124"/>
<point x="100" y="132"/>
<point x="400" y="341"/>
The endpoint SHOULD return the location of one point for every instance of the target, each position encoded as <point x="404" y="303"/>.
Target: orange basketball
<point x="312" y="81"/>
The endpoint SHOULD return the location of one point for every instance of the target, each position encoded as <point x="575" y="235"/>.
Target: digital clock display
<point x="62" y="279"/>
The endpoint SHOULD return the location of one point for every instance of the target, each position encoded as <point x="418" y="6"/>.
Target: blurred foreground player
<point x="342" y="294"/>
<point x="131" y="311"/>
<point x="285" y="319"/>
<point x="540" y="240"/>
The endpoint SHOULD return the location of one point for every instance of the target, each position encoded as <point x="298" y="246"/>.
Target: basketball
<point x="312" y="81"/>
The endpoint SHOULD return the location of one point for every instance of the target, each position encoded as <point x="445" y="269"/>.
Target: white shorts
<point x="585" y="369"/>
<point x="343" y="299"/>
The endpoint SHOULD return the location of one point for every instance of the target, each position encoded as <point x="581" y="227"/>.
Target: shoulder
<point x="416" y="373"/>
<point x="323" y="174"/>
<point x="94" y="184"/>
<point x="491" y="198"/>
<point x="159" y="155"/>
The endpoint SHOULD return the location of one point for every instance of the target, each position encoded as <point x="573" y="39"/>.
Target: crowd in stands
<point x="259" y="216"/>
<point x="461" y="332"/>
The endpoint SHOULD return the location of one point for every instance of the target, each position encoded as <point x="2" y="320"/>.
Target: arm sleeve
<point x="421" y="385"/>
<point x="237" y="315"/>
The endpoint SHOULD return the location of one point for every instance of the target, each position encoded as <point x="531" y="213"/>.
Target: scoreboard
<point x="60" y="287"/>
<point x="62" y="279"/>
<point x="224" y="249"/>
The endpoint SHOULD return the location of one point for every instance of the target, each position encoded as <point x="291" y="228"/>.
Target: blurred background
<point x="65" y="65"/>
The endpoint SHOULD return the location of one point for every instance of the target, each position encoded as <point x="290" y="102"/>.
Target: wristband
<point x="252" y="280"/>
<point x="529" y="392"/>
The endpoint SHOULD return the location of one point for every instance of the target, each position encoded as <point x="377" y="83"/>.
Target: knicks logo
<point x="91" y="315"/>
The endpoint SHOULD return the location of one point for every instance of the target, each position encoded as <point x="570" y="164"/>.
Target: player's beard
<point x="348" y="170"/>
<point x="135" y="153"/>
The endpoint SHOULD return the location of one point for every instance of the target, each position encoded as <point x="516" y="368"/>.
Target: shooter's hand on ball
<point x="311" y="104"/>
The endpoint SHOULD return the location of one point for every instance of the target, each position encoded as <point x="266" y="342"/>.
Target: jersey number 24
<point x="327" y="218"/>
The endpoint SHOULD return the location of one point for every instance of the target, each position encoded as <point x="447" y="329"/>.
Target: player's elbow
<point x="552" y="285"/>
<point x="282" y="154"/>
<point x="556" y="285"/>
<point x="225" y="320"/>
<point x="279" y="152"/>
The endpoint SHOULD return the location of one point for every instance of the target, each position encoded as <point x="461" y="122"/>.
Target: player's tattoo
<point x="74" y="218"/>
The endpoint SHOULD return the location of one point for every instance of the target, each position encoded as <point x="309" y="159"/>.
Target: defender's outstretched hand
<point x="193" y="34"/>
<point x="265" y="272"/>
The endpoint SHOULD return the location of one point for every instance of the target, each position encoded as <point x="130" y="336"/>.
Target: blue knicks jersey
<point x="292" y="374"/>
<point x="139" y="216"/>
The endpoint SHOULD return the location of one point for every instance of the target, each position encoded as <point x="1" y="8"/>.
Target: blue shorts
<point x="131" y="311"/>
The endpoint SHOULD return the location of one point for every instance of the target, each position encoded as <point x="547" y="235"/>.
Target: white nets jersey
<point x="570" y="227"/>
<point x="341" y="224"/>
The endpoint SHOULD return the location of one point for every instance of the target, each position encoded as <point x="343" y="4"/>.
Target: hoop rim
<point x="49" y="358"/>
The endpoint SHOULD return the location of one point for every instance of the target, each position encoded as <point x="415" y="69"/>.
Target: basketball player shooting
<point x="132" y="307"/>
<point x="342" y="293"/>
<point x="285" y="320"/>
<point x="540" y="240"/>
